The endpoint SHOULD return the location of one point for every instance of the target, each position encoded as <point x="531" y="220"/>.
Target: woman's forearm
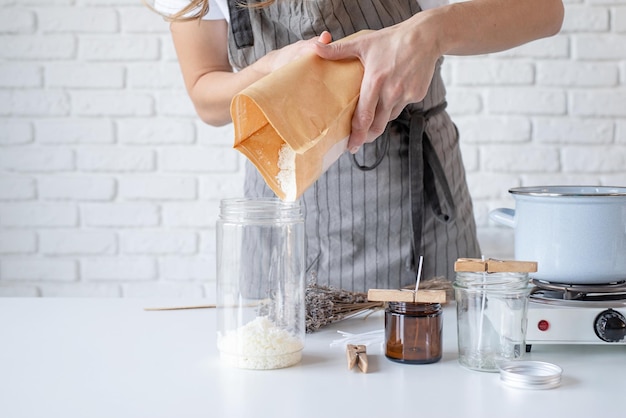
<point x="213" y="93"/>
<point x="486" y="26"/>
<point x="202" y="49"/>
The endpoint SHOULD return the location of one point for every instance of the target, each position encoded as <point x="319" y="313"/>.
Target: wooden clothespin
<point x="357" y="356"/>
<point x="493" y="265"/>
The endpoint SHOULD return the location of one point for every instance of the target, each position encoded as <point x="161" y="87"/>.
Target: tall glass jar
<point x="260" y="283"/>
<point x="491" y="318"/>
<point x="413" y="332"/>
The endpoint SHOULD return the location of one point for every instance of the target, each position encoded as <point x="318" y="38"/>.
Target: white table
<point x="89" y="358"/>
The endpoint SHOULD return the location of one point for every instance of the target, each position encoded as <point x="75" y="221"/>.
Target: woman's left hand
<point x="398" y="68"/>
<point x="399" y="60"/>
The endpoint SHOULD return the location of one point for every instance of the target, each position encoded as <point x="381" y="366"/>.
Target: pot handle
<point x="503" y="216"/>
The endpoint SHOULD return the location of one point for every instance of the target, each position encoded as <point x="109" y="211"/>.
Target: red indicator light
<point x="543" y="325"/>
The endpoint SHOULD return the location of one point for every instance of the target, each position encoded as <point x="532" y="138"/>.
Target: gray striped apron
<point x="371" y="215"/>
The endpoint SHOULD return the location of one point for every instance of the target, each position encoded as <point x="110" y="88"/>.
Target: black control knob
<point x="610" y="326"/>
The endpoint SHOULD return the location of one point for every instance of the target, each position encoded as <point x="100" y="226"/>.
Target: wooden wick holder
<point x="407" y="295"/>
<point x="492" y="265"/>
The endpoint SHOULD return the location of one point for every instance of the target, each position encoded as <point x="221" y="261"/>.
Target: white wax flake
<point x="287" y="175"/>
<point x="260" y="345"/>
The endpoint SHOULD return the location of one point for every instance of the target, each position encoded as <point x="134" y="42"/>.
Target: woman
<point x="400" y="193"/>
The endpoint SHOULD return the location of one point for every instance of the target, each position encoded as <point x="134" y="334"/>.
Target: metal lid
<point x="530" y="374"/>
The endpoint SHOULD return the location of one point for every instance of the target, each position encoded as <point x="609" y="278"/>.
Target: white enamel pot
<point x="576" y="234"/>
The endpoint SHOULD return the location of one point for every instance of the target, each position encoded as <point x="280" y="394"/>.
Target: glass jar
<point x="260" y="283"/>
<point x="413" y="332"/>
<point x="491" y="318"/>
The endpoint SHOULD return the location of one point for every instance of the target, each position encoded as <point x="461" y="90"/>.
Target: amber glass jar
<point x="413" y="332"/>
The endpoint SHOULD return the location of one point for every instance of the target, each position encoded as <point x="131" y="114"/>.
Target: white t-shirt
<point x="218" y="9"/>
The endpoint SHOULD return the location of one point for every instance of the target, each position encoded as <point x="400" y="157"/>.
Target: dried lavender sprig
<point x="325" y="305"/>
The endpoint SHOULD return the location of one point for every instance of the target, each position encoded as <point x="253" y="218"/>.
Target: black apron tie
<point x="240" y="23"/>
<point x="425" y="172"/>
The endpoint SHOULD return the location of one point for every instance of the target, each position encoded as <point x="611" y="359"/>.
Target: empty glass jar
<point x="260" y="283"/>
<point x="491" y="318"/>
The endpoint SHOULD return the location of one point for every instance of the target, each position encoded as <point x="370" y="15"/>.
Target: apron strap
<point x="240" y="23"/>
<point x="425" y="172"/>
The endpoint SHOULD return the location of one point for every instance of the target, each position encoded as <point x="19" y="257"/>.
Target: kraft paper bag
<point x="294" y="123"/>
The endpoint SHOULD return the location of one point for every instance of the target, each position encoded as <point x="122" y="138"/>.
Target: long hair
<point x="201" y="8"/>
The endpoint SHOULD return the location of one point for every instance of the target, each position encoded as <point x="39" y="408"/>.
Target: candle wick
<point x="419" y="273"/>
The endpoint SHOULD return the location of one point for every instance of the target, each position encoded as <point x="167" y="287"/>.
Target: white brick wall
<point x="110" y="185"/>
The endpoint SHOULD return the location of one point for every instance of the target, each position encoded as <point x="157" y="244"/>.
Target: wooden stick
<point x="177" y="308"/>
<point x="394" y="295"/>
<point x="209" y="306"/>
<point x="406" y="295"/>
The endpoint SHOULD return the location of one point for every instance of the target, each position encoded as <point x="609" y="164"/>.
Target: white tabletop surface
<point x="111" y="358"/>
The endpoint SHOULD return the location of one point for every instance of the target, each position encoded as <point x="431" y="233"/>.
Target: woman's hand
<point x="399" y="61"/>
<point x="273" y="60"/>
<point x="398" y="68"/>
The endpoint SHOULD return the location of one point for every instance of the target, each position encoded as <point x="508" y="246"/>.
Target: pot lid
<point x="575" y="191"/>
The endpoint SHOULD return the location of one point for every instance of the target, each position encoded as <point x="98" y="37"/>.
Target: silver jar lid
<point x="530" y="374"/>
